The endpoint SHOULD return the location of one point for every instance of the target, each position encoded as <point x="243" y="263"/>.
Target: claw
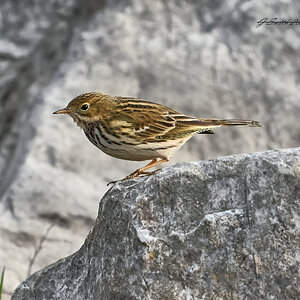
<point x="135" y="174"/>
<point x="113" y="182"/>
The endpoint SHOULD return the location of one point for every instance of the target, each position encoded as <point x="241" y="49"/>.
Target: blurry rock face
<point x="194" y="231"/>
<point x="200" y="57"/>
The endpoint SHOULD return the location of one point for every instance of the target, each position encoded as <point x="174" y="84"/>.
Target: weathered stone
<point x="219" y="229"/>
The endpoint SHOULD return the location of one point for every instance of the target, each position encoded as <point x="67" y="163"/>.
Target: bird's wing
<point x="135" y="118"/>
<point x="150" y="121"/>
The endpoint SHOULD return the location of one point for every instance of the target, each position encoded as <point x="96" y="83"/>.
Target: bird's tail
<point x="231" y="122"/>
<point x="207" y="125"/>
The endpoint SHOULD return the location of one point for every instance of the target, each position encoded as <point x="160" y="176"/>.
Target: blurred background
<point x="201" y="57"/>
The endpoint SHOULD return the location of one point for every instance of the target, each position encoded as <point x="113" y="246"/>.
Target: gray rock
<point x="218" y="229"/>
<point x="204" y="58"/>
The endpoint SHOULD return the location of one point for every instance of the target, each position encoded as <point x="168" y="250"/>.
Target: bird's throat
<point x="77" y="120"/>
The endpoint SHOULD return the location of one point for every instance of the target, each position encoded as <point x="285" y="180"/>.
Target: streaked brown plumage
<point x="135" y="129"/>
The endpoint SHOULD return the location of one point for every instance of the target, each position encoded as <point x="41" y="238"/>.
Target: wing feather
<point x="141" y="119"/>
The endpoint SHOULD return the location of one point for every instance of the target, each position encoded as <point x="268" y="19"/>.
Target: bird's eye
<point x="85" y="106"/>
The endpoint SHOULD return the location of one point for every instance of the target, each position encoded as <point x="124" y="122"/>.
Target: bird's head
<point x="87" y="108"/>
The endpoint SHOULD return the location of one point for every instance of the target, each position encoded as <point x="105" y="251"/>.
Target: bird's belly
<point x="139" y="152"/>
<point x="130" y="151"/>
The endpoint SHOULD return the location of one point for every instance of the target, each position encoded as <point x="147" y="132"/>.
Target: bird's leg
<point x="151" y="164"/>
<point x="154" y="162"/>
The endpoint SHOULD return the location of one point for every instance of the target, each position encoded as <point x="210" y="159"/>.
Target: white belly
<point x="143" y="151"/>
<point x="129" y="151"/>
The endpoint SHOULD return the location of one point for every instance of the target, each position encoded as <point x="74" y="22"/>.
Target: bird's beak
<point x="62" y="111"/>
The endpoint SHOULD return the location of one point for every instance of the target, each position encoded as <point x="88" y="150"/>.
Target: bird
<point x="137" y="130"/>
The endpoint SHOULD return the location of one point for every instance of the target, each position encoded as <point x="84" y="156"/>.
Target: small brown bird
<point x="135" y="129"/>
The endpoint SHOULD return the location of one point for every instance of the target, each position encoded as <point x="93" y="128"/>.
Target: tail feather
<point x="238" y="122"/>
<point x="230" y="122"/>
<point x="211" y="123"/>
<point x="206" y="126"/>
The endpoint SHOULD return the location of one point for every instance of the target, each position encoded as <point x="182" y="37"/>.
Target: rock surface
<point x="218" y="229"/>
<point x="204" y="58"/>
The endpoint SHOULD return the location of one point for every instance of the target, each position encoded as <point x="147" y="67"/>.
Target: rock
<point x="218" y="229"/>
<point x="201" y="58"/>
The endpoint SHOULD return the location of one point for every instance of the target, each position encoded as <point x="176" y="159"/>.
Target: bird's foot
<point x="135" y="174"/>
<point x="140" y="173"/>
